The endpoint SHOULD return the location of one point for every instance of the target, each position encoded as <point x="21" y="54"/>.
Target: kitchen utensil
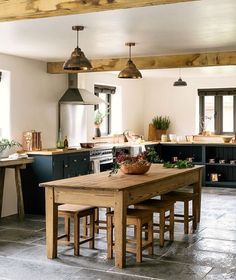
<point x="232" y="161"/>
<point x="212" y="160"/>
<point x="189" y="138"/>
<point x="214" y="177"/>
<point x="172" y="137"/>
<point x="174" y="159"/>
<point x="190" y="159"/>
<point x="164" y="138"/>
<point x="221" y="161"/>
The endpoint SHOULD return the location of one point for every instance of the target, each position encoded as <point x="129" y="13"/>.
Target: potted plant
<point x="7" y="144"/>
<point x="98" y="119"/>
<point x="159" y="126"/>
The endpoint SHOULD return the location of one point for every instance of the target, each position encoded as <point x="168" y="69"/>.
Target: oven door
<point x="100" y="164"/>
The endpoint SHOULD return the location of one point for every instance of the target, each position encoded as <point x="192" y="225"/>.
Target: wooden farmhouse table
<point x="16" y="164"/>
<point x="118" y="192"/>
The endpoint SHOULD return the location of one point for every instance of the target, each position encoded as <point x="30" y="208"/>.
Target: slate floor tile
<point x="166" y="270"/>
<point x="205" y="258"/>
<point x="221" y="274"/>
<point x="216" y="245"/>
<point x="208" y="253"/>
<point x="20" y="235"/>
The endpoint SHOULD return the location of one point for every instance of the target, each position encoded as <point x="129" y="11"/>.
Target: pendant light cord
<point x="77" y="37"/>
<point x="129" y="52"/>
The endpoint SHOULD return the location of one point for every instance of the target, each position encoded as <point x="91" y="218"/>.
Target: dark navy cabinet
<point x="219" y="160"/>
<point x="47" y="168"/>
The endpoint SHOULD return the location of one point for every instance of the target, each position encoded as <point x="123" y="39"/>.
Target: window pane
<point x="209" y="113"/>
<point x="103" y="108"/>
<point x="228" y="113"/>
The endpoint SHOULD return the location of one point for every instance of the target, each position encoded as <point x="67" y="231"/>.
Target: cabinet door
<point x="60" y="167"/>
<point x="78" y="164"/>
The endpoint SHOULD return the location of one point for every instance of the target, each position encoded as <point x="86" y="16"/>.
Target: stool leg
<point x="97" y="220"/>
<point x="146" y="232"/>
<point x="76" y="234"/>
<point x="186" y="214"/>
<point x="67" y="228"/>
<point x="150" y="237"/>
<point x="162" y="228"/>
<point x="139" y="242"/>
<point x="171" y="225"/>
<point x="194" y="211"/>
<point x="85" y="228"/>
<point x="109" y="237"/>
<point x="91" y="230"/>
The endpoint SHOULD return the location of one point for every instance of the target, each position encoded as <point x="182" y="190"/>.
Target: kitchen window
<point x="105" y="93"/>
<point x="217" y="110"/>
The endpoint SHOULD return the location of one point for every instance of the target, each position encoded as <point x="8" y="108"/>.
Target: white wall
<point x="33" y="105"/>
<point x="155" y="94"/>
<point x="127" y="102"/>
<point x="181" y="103"/>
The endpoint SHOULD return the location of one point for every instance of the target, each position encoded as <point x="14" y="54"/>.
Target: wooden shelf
<point x="221" y="184"/>
<point x="220" y="164"/>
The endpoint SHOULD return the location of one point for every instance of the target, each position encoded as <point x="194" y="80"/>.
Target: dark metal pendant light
<point x="130" y="71"/>
<point x="78" y="60"/>
<point x="180" y="82"/>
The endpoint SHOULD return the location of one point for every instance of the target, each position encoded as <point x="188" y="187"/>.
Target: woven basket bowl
<point x="134" y="168"/>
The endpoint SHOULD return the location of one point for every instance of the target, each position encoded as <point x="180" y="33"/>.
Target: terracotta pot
<point x="155" y="134"/>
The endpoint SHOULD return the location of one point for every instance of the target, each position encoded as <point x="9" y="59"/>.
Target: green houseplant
<point x="160" y="122"/>
<point x="7" y="144"/>
<point x="159" y="126"/>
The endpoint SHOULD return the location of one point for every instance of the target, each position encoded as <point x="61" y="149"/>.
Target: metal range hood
<point x="75" y="95"/>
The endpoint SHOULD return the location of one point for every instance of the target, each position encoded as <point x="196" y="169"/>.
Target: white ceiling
<point x="202" y="26"/>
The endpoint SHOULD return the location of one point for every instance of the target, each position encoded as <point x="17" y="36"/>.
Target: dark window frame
<point x="108" y="90"/>
<point x="218" y="94"/>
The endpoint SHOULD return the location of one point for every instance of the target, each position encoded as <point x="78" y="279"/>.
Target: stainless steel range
<point x="101" y="159"/>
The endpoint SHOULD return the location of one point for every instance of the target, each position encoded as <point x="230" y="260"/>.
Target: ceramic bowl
<point x="227" y="139"/>
<point x="134" y="168"/>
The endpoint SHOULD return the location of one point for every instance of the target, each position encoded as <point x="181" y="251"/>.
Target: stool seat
<point x="138" y="218"/>
<point x="68" y="211"/>
<point x="73" y="208"/>
<point x="186" y="198"/>
<point x="160" y="207"/>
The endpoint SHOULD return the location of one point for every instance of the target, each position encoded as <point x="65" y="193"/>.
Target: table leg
<point x="197" y="188"/>
<point x="120" y="211"/>
<point x="2" y="177"/>
<point x="51" y="223"/>
<point x="20" y="201"/>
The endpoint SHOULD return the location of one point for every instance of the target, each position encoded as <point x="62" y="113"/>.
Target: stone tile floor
<point x="209" y="253"/>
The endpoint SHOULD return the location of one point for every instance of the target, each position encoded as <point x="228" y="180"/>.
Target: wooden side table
<point x="16" y="164"/>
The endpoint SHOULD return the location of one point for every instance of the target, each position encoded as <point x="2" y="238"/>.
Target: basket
<point x="135" y="168"/>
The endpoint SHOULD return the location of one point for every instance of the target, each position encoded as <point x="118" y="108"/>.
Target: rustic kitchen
<point x="117" y="139"/>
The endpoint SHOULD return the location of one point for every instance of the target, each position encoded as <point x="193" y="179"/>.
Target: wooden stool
<point x="99" y="224"/>
<point x="138" y="218"/>
<point x="185" y="218"/>
<point x="68" y="211"/>
<point x="161" y="207"/>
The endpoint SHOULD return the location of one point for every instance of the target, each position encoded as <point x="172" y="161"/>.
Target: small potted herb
<point x="159" y="126"/>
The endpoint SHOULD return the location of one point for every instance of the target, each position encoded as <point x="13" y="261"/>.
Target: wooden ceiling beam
<point x="155" y="62"/>
<point x="12" y="10"/>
